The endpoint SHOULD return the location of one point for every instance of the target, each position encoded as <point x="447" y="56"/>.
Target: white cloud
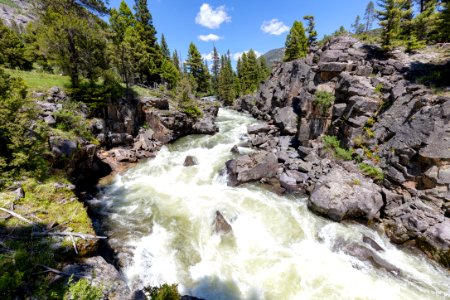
<point x="274" y="27"/>
<point x="210" y="37"/>
<point x="208" y="56"/>
<point x="238" y="55"/>
<point x="210" y="17"/>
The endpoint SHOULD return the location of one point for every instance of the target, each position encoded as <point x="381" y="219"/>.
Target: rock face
<point x="390" y="122"/>
<point x="341" y="195"/>
<point x="251" y="167"/>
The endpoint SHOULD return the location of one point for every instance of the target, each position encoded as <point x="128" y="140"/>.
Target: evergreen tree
<point x="296" y="42"/>
<point x="390" y="15"/>
<point x="197" y="69"/>
<point x="226" y="81"/>
<point x="23" y="140"/>
<point x="407" y="32"/>
<point x="147" y="31"/>
<point x="312" y="33"/>
<point x="170" y="73"/>
<point x="176" y="61"/>
<point x="164" y="47"/>
<point x="369" y="16"/>
<point x="425" y="23"/>
<point x="215" y="71"/>
<point x="72" y="36"/>
<point x="264" y="70"/>
<point x="358" y="27"/>
<point x="443" y="23"/>
<point x="12" y="49"/>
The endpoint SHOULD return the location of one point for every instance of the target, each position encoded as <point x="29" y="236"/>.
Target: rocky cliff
<point x="368" y="101"/>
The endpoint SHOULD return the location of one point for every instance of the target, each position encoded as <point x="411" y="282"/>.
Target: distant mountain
<point x="273" y="56"/>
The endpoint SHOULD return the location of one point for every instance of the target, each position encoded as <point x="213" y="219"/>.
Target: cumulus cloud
<point x="274" y="27"/>
<point x="210" y="17"/>
<point x="238" y="55"/>
<point x="209" y="38"/>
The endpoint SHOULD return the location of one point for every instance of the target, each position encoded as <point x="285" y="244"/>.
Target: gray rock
<point x="205" y="125"/>
<point x="258" y="128"/>
<point x="50" y="120"/>
<point x="190" y="161"/>
<point x="221" y="226"/>
<point x="252" y="167"/>
<point x="102" y="275"/>
<point x="159" y="103"/>
<point x="62" y="146"/>
<point x="20" y="193"/>
<point x="341" y="195"/>
<point x="365" y="254"/>
<point x="235" y="149"/>
<point x="286" y="119"/>
<point x="372" y="243"/>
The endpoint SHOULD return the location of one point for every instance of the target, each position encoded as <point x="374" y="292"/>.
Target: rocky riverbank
<point x="350" y="128"/>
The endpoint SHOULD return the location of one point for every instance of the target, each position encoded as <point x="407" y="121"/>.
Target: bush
<point x="164" y="292"/>
<point x="332" y="143"/>
<point x="324" y="100"/>
<point x="70" y="119"/>
<point x="371" y="171"/>
<point x="83" y="290"/>
<point x="379" y="89"/>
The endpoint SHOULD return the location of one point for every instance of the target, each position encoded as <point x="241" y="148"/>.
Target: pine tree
<point x="312" y="33"/>
<point x="169" y="73"/>
<point x="71" y="35"/>
<point x="443" y="23"/>
<point x="197" y="69"/>
<point x="296" y="43"/>
<point x="215" y="71"/>
<point x="164" y="47"/>
<point x="407" y="32"/>
<point x="12" y="49"/>
<point x="358" y="27"/>
<point x="264" y="70"/>
<point x="147" y="31"/>
<point x="369" y="16"/>
<point x="390" y="16"/>
<point x="176" y="61"/>
<point x="425" y="23"/>
<point x="226" y="81"/>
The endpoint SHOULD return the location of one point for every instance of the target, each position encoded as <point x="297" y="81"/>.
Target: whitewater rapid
<point x="160" y="215"/>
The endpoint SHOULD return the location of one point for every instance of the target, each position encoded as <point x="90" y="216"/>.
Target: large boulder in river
<point x="190" y="161"/>
<point x="221" y="226"/>
<point x="252" y="167"/>
<point x="341" y="195"/>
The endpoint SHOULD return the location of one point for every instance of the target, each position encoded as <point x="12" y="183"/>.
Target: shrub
<point x="324" y="100"/>
<point x="332" y="143"/>
<point x="371" y="171"/>
<point x="71" y="120"/>
<point x="83" y="290"/>
<point x="378" y="89"/>
<point x="164" y="292"/>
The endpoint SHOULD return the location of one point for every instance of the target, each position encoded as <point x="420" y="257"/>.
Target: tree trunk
<point x="73" y="61"/>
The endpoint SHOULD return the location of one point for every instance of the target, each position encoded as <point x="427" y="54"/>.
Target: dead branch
<point x="72" y="234"/>
<point x="18" y="216"/>
<point x="51" y="270"/>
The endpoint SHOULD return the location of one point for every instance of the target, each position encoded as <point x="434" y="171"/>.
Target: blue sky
<point x="238" y="24"/>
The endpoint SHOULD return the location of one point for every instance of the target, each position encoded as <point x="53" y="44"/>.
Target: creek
<point x="159" y="216"/>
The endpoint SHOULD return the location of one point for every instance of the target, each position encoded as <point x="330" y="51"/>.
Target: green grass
<point x="332" y="143"/>
<point x="324" y="100"/>
<point x="40" y="82"/>
<point x="371" y="171"/>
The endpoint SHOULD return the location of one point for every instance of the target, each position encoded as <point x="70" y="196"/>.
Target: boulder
<point x="372" y="243"/>
<point x="258" y="128"/>
<point x="341" y="195"/>
<point x="221" y="226"/>
<point x="155" y="102"/>
<point x="286" y="119"/>
<point x="205" y="125"/>
<point x="365" y="254"/>
<point x="102" y="275"/>
<point x="63" y="147"/>
<point x="252" y="167"/>
<point x="190" y="161"/>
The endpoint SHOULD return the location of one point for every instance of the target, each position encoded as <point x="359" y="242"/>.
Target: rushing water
<point x="161" y="213"/>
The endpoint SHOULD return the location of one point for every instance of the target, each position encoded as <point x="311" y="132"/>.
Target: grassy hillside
<point x="37" y="81"/>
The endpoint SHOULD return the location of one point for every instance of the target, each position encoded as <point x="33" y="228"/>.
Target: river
<point x="160" y="214"/>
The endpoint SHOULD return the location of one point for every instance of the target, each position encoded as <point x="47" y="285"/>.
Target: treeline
<point x="71" y="37"/>
<point x="298" y="42"/>
<point x="409" y="23"/>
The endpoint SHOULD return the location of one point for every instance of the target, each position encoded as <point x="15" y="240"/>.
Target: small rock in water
<point x="235" y="149"/>
<point x="372" y="243"/>
<point x="221" y="225"/>
<point x="190" y="161"/>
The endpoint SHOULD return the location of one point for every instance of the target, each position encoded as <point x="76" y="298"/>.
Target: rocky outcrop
<point x="388" y="121"/>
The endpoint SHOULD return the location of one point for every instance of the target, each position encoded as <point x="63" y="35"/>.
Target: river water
<point x="161" y="214"/>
